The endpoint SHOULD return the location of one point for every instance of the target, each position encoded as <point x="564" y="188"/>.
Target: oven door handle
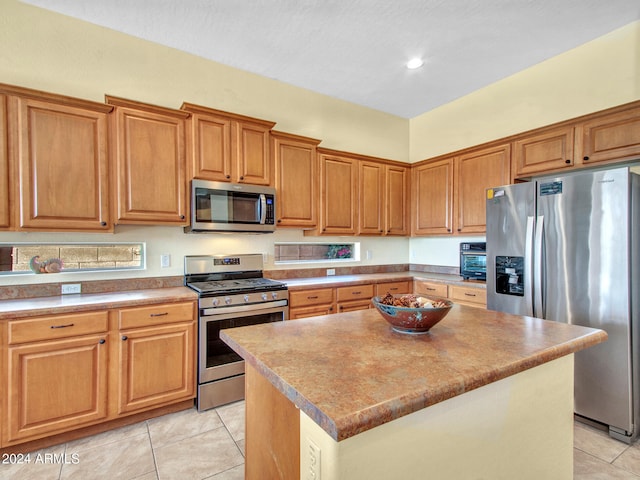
<point x="222" y="313"/>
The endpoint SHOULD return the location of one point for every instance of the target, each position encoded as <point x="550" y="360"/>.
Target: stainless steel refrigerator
<point x="566" y="249"/>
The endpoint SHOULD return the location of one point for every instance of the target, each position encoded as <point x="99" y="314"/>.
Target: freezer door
<point x="586" y="265"/>
<point x="510" y="215"/>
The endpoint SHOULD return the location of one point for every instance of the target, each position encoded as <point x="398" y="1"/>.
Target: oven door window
<point x="473" y="264"/>
<point x="218" y="352"/>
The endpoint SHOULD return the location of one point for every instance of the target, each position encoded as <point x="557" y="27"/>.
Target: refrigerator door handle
<point x="537" y="265"/>
<point x="528" y="267"/>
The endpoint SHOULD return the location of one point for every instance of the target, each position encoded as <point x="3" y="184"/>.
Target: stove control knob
<point x="227" y="300"/>
<point x="215" y="302"/>
<point x="264" y="296"/>
<point x="274" y="295"/>
<point x="246" y="298"/>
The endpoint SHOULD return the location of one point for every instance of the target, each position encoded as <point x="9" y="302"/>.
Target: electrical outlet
<point x="314" y="461"/>
<point x="369" y="254"/>
<point x="165" y="260"/>
<point x="71" y="288"/>
<point x="331" y="271"/>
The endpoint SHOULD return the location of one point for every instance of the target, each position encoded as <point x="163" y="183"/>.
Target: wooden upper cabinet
<point x="5" y="183"/>
<point x="543" y="151"/>
<point x="384" y="198"/>
<point x="372" y="193"/>
<point x="432" y="192"/>
<point x="475" y="172"/>
<point x="296" y="180"/>
<point x="338" y="194"/>
<point x="612" y="137"/>
<point x="227" y="147"/>
<point x="397" y="200"/>
<point x="150" y="165"/>
<point x="61" y="156"/>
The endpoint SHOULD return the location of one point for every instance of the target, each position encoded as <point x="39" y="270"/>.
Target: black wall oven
<point x="473" y="260"/>
<point x="232" y="293"/>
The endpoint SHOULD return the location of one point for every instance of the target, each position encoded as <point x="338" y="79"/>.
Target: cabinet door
<point x="63" y="166"/>
<point x="312" y="311"/>
<point x="150" y="164"/>
<point x="610" y="137"/>
<point x="253" y="160"/>
<point x="433" y="198"/>
<point x="296" y="172"/>
<point x="372" y="198"/>
<point x="543" y="151"/>
<point x="397" y="200"/>
<point x="475" y="172"/>
<point x="56" y="386"/>
<point x="338" y="195"/>
<point x="210" y="147"/>
<point x="157" y="366"/>
<point x="5" y="203"/>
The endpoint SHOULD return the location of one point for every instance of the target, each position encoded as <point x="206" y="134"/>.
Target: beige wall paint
<point x="52" y="52"/>
<point x="600" y="74"/>
<point x="595" y="76"/>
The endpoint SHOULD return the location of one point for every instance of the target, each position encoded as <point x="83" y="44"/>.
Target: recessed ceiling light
<point x="415" y="63"/>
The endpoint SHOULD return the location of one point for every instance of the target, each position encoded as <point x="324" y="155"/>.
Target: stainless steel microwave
<point x="231" y="207"/>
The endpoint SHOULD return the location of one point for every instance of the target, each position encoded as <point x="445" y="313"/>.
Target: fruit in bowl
<point x="411" y="313"/>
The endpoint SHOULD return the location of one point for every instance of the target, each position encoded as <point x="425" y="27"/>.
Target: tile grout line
<point x="153" y="450"/>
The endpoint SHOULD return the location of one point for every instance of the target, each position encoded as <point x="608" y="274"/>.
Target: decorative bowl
<point x="410" y="319"/>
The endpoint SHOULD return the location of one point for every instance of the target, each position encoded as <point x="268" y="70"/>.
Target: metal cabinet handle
<point x="63" y="326"/>
<point x="124" y="337"/>
<point x="158" y="314"/>
<point x="102" y="341"/>
<point x="312" y="298"/>
<point x="356" y="293"/>
<point x="470" y="294"/>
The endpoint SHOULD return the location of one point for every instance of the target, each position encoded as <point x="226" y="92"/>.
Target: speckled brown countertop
<point x="10" y="309"/>
<point x="343" y="280"/>
<point x="350" y="372"/>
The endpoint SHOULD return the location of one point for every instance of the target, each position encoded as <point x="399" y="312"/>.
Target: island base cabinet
<point x="272" y="428"/>
<point x="56" y="385"/>
<point x="519" y="427"/>
<point x="157" y="366"/>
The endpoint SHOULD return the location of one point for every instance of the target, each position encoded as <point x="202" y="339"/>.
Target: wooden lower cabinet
<point x="62" y="373"/>
<point x="430" y="289"/>
<point x="58" y="383"/>
<point x="354" y="297"/>
<point x="475" y="297"/>
<point x="311" y="302"/>
<point x="394" y="288"/>
<point x="157" y="366"/>
<point x="472" y="296"/>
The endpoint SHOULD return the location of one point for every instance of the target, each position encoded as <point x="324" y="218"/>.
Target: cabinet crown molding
<point x="125" y="103"/>
<point x="193" y="108"/>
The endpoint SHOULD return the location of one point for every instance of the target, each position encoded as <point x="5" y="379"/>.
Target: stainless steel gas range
<point x="233" y="293"/>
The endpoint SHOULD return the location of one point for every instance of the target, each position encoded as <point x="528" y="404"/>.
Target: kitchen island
<point x="483" y="395"/>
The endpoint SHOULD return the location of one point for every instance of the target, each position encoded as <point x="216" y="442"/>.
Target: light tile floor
<point x="210" y="445"/>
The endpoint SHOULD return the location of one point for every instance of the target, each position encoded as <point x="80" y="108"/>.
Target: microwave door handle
<point x="263" y="209"/>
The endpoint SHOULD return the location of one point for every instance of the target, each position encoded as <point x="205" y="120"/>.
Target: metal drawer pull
<point x="356" y="293"/>
<point x="430" y="289"/>
<point x="312" y="298"/>
<point x="470" y="294"/>
<point x="63" y="326"/>
<point x="158" y="314"/>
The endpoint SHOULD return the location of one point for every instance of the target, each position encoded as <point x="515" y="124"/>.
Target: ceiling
<point x="356" y="50"/>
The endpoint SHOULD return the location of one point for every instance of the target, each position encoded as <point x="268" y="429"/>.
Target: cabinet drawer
<point x="431" y="289"/>
<point x="155" y="314"/>
<point x="303" y="298"/>
<point x="57" y="326"/>
<point x="312" y="311"/>
<point x="354" y="292"/>
<point x="468" y="295"/>
<point x="394" y="288"/>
